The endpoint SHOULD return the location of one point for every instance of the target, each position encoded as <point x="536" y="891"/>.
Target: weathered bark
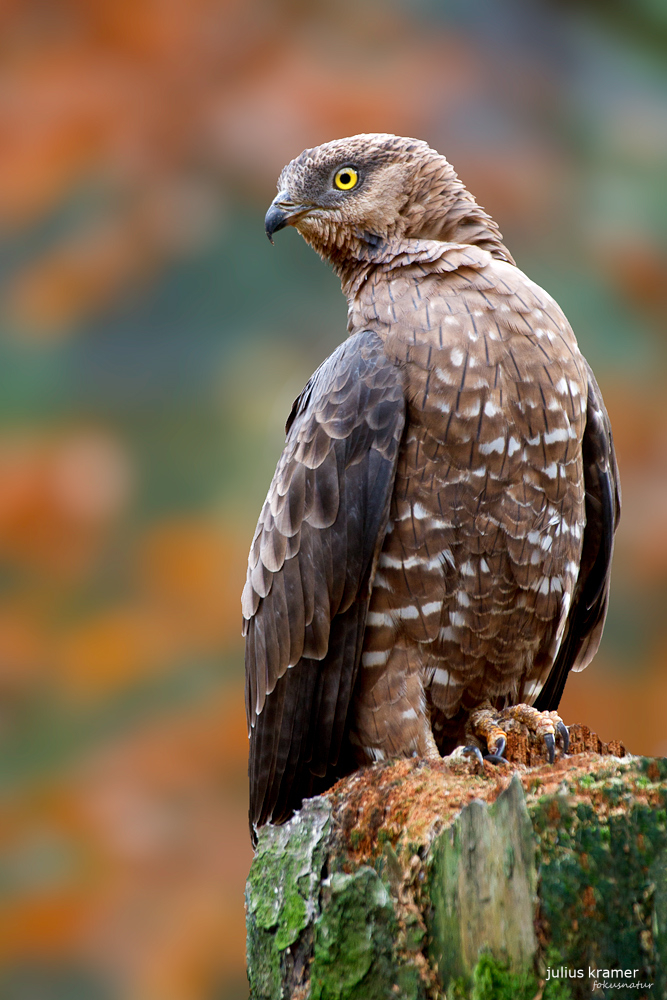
<point x="417" y="881"/>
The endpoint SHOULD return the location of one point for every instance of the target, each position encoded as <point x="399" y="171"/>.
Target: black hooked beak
<point x="280" y="214"/>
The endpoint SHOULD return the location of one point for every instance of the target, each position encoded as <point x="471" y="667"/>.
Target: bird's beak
<point x="281" y="213"/>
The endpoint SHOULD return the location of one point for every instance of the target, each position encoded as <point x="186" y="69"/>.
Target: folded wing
<point x="587" y="614"/>
<point x="310" y="572"/>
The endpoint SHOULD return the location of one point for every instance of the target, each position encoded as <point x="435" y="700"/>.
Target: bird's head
<point x="350" y="197"/>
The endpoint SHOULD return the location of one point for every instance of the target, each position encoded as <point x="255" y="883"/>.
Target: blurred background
<point x="152" y="343"/>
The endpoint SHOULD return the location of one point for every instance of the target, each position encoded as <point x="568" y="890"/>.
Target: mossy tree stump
<point x="424" y="882"/>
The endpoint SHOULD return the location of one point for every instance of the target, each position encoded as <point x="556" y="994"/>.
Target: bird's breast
<point x="492" y="372"/>
<point x="487" y="515"/>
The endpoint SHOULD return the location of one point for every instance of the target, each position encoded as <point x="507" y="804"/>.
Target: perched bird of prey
<point x="433" y="555"/>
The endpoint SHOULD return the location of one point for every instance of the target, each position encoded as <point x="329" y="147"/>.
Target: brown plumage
<point x="439" y="529"/>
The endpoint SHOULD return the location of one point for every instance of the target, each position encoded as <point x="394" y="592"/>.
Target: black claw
<point x="551" y="747"/>
<point x="565" y="736"/>
<point x="497" y="756"/>
<point x="477" y="752"/>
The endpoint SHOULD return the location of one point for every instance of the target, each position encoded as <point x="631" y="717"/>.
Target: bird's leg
<point x="491" y="726"/>
<point x="428" y="748"/>
<point x="482" y="724"/>
<point x="545" y="725"/>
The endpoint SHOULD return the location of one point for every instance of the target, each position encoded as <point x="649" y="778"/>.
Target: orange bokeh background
<point x="152" y="343"/>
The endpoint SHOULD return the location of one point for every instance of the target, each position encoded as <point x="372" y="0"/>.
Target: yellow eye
<point x="346" y="178"/>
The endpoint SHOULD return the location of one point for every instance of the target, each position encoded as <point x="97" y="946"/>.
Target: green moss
<point x="282" y="894"/>
<point x="389" y="868"/>
<point x="654" y="767"/>
<point x="293" y="919"/>
<point x="614" y="792"/>
<point x="355" y="839"/>
<point x="554" y="989"/>
<point x="656" y="896"/>
<point x="492" y="980"/>
<point x="415" y="933"/>
<point x="595" y="883"/>
<point x="557" y="990"/>
<point x="354" y="944"/>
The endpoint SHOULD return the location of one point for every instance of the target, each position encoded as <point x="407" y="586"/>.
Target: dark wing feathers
<point x="309" y="570"/>
<point x="603" y="510"/>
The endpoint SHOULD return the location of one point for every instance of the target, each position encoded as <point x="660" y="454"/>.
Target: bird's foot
<point x="492" y="727"/>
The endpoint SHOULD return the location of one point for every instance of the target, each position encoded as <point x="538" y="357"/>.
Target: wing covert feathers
<point x="310" y="568"/>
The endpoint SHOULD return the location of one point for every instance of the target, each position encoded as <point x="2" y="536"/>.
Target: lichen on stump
<point x="424" y="881"/>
